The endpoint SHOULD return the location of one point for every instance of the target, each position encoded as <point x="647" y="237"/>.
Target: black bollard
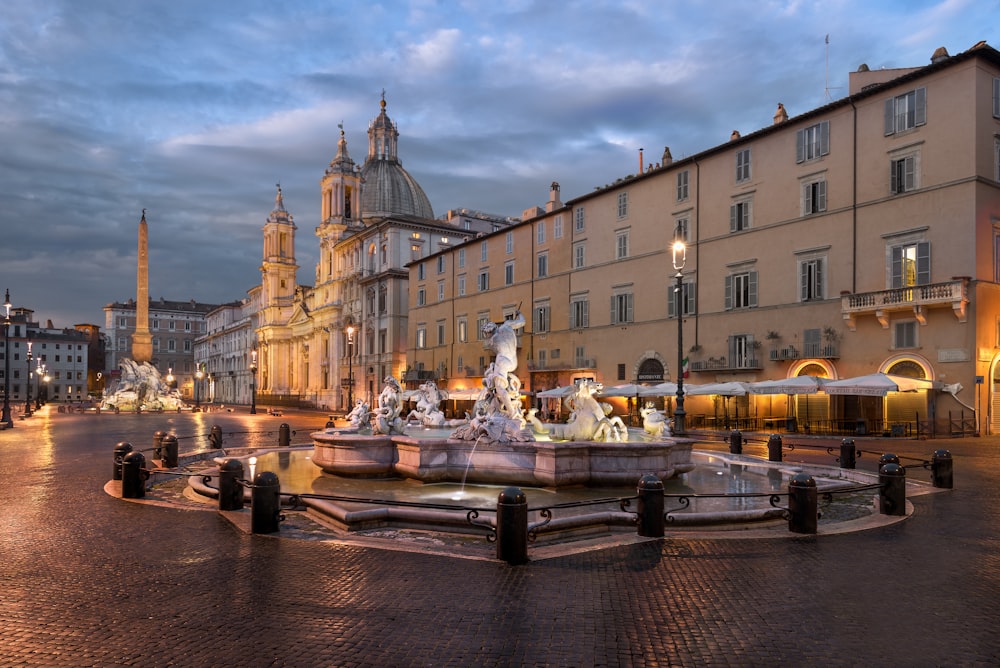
<point x="121" y="449"/>
<point x="650" y="509"/>
<point x="892" y="494"/>
<point x="512" y="526"/>
<point x="802" y="513"/>
<point x="169" y="451"/>
<point x="848" y="454"/>
<point x="887" y="458"/>
<point x="215" y="438"/>
<point x="774" y="448"/>
<point x="134" y="476"/>
<point x="158" y="444"/>
<point x="265" y="503"/>
<point x="230" y="489"/>
<point x="941" y="469"/>
<point x="284" y="435"/>
<point x="735" y="442"/>
<point x="331" y="423"/>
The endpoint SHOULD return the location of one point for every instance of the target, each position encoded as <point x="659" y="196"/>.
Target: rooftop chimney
<point x="667" y="158"/>
<point x="554" y="201"/>
<point x="780" y="116"/>
<point x="735" y="135"/>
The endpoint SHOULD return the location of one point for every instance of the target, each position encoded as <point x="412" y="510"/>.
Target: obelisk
<point x="142" y="340"/>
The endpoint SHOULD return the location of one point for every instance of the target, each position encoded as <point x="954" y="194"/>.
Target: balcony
<point x="830" y="351"/>
<point x="915" y="299"/>
<point x="720" y="364"/>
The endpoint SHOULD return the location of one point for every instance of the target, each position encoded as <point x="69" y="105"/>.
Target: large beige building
<point x="858" y="237"/>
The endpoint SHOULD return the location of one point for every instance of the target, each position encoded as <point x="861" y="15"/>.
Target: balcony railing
<point x="720" y="364"/>
<point x="915" y="298"/>
<point x="809" y="351"/>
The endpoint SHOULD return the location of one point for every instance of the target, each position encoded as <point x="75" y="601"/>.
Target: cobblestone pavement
<point x="90" y="580"/>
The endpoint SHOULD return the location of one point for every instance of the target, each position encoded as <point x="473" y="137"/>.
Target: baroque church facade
<point x="334" y="342"/>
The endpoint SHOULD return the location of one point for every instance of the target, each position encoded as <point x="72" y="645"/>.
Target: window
<point x="812" y="142"/>
<point x="903" y="174"/>
<point x="187" y="345"/>
<point x="621" y="308"/>
<point x="440" y="291"/>
<point x="542" y="320"/>
<point x="122" y="323"/>
<point x="484" y="281"/>
<point x="122" y="343"/>
<point x="483" y="252"/>
<point x="812" y="342"/>
<point x="622" y="205"/>
<point x="508" y="273"/>
<point x="621" y="372"/>
<point x="510" y="243"/>
<point x="540" y="232"/>
<point x="906" y="111"/>
<point x="440" y="263"/>
<point x="740" y="215"/>
<point x="579" y="313"/>
<point x="683" y="178"/>
<point x="687" y="299"/>
<point x="422" y="271"/>
<point x="741" y="290"/>
<point x="621" y="244"/>
<point x="155" y="323"/>
<point x="579" y="255"/>
<point x="187" y="326"/>
<point x="996" y="98"/>
<point x="741" y="351"/>
<point x="383" y="294"/>
<point x="172" y="325"/>
<point x="557" y="227"/>
<point x="156" y="345"/>
<point x="910" y="264"/>
<point x="743" y="165"/>
<point x="996" y="159"/>
<point x="461" y="258"/>
<point x="461" y="285"/>
<point x="481" y="321"/>
<point x="811" y="278"/>
<point x="421" y="337"/>
<point x="440" y="328"/>
<point x="904" y="334"/>
<point x="813" y="197"/>
<point x="579" y="219"/>
<point x="682" y="230"/>
<point x="463" y="330"/>
<point x="543" y="265"/>
<point x="421" y="297"/>
<point x="542" y="359"/>
<point x="171" y="345"/>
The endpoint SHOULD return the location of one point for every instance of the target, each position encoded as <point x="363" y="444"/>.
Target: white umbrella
<point x="630" y="390"/>
<point x="795" y="385"/>
<point x="878" y="384"/>
<point x="731" y="389"/>
<point x="558" y="392"/>
<point x="667" y="389"/>
<point x="470" y="394"/>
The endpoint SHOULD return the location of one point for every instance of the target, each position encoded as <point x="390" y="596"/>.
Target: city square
<point x="93" y="580"/>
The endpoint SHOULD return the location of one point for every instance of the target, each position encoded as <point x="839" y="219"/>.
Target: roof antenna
<point x="828" y="89"/>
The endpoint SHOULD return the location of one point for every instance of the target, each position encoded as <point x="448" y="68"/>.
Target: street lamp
<point x="27" y="400"/>
<point x="253" y="382"/>
<point x="199" y="374"/>
<point x="350" y="367"/>
<point x="6" y="363"/>
<point x="40" y="370"/>
<point x="679" y="257"/>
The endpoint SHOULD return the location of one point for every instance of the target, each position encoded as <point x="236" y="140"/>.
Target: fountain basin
<point x="436" y="458"/>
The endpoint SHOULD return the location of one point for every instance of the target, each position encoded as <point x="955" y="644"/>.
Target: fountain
<point x="499" y="444"/>
<point x="140" y="388"/>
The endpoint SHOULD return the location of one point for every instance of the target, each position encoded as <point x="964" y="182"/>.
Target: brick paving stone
<point x="90" y="580"/>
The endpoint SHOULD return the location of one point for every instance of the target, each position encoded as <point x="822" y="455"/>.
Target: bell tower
<point x="278" y="269"/>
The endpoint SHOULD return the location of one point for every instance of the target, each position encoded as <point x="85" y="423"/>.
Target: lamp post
<point x="350" y="367"/>
<point x="6" y="364"/>
<point x="198" y="375"/>
<point x="679" y="257"/>
<point x="27" y="399"/>
<point x="253" y="382"/>
<point x="40" y="371"/>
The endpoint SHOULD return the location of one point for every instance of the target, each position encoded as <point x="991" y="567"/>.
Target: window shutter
<point x="923" y="263"/>
<point x="732" y="218"/>
<point x="996" y="98"/>
<point x="820" y="270"/>
<point x="629" y="304"/>
<point x="894" y="177"/>
<point x="672" y="297"/>
<point x="573" y="308"/>
<point x="890" y="116"/>
<point x="731" y="345"/>
<point x="729" y="292"/>
<point x="807" y="198"/>
<point x="614" y="312"/>
<point x="821" y="196"/>
<point x="689" y="297"/>
<point x="800" y="146"/>
<point x="803" y="281"/>
<point x="752" y="300"/>
<point x="909" y="165"/>
<point x="896" y="268"/>
<point x="920" y="115"/>
<point x="824" y="137"/>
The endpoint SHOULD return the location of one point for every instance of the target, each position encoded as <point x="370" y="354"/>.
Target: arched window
<point x="907" y="368"/>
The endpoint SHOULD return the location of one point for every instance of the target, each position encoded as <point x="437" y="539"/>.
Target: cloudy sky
<point x="193" y="110"/>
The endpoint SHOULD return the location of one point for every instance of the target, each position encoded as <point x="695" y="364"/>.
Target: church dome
<point x="388" y="188"/>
